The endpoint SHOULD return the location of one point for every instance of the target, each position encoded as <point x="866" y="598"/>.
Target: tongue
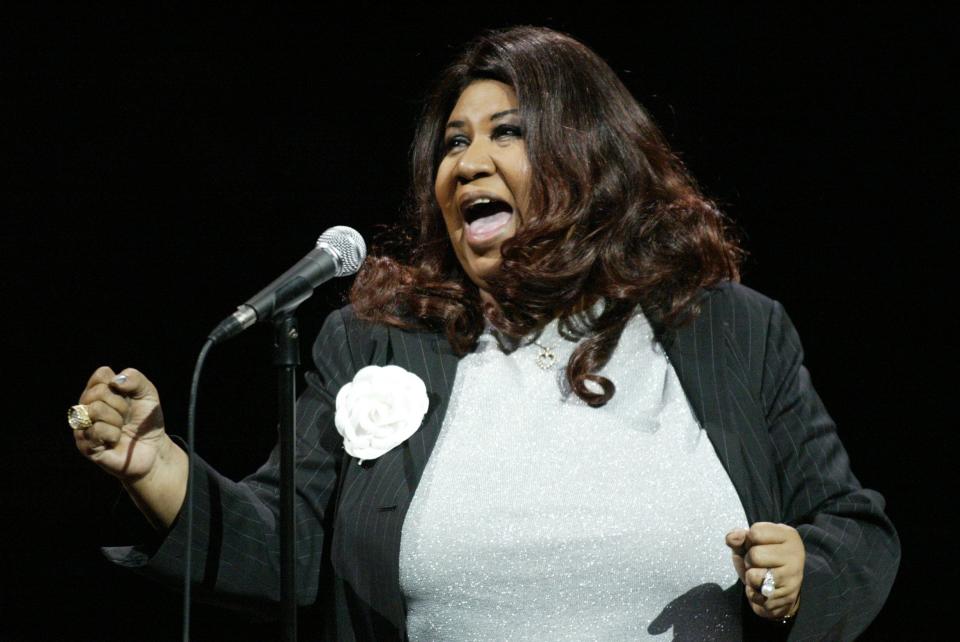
<point x="487" y="224"/>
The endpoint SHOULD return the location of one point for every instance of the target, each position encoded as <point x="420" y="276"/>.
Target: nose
<point x="475" y="162"/>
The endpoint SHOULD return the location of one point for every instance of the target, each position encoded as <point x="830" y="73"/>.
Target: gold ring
<point x="78" y="417"/>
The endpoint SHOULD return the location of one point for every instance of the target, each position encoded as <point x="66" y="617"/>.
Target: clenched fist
<point x="769" y="547"/>
<point x="127" y="439"/>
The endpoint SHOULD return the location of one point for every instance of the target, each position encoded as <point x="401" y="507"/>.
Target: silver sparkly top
<point x="541" y="518"/>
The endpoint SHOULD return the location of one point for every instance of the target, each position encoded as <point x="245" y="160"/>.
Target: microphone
<point x="339" y="252"/>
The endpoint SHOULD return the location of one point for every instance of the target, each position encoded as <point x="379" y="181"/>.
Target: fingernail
<point x="120" y="379"/>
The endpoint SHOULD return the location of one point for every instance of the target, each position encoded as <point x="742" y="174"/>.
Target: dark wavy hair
<point x="615" y="217"/>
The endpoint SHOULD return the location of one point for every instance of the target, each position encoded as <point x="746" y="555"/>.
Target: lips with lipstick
<point x="484" y="217"/>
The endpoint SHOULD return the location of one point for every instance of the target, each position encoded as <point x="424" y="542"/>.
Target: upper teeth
<point x="479" y="201"/>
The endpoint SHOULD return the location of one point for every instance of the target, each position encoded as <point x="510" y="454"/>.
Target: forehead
<point x="482" y="99"/>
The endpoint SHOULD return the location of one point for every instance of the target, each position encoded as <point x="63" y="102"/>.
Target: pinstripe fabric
<point x="740" y="364"/>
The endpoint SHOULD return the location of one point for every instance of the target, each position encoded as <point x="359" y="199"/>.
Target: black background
<point x="159" y="168"/>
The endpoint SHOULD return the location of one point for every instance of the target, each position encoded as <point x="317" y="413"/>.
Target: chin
<point x="479" y="268"/>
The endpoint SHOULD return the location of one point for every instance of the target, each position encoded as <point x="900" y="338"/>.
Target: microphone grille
<point x="347" y="245"/>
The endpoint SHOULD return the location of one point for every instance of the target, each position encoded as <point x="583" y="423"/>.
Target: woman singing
<point x="579" y="425"/>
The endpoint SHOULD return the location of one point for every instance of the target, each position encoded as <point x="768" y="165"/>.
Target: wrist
<point x="159" y="493"/>
<point x="162" y="446"/>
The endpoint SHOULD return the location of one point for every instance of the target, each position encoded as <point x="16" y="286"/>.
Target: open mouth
<point x="485" y="218"/>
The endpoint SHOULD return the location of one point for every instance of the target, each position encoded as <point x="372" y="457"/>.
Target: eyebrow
<point x="455" y="124"/>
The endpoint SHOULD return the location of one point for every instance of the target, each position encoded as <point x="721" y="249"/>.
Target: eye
<point x="507" y="131"/>
<point x="455" y="142"/>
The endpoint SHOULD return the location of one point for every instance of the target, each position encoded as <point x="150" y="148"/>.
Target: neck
<point x="491" y="309"/>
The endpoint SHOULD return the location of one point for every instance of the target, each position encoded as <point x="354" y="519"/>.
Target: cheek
<point x="452" y="222"/>
<point x="517" y="175"/>
<point x="445" y="192"/>
<point x="444" y="187"/>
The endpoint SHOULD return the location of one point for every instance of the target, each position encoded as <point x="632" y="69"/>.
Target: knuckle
<point x="102" y="373"/>
<point x="760" y="556"/>
<point x="777" y="609"/>
<point x="106" y="433"/>
<point x="98" y="390"/>
<point x="101" y="410"/>
<point x="133" y="373"/>
<point x="86" y="443"/>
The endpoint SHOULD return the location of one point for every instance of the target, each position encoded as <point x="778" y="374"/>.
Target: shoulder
<point x="744" y="313"/>
<point x="736" y="302"/>
<point x="347" y="320"/>
<point x="754" y="327"/>
<point x="367" y="341"/>
<point x="353" y="339"/>
<point x="734" y="319"/>
<point x="727" y="308"/>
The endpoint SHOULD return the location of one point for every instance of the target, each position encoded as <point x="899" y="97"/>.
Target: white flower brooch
<point x="379" y="410"/>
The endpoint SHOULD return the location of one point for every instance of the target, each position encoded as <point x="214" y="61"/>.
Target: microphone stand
<point x="286" y="357"/>
<point x="340" y="251"/>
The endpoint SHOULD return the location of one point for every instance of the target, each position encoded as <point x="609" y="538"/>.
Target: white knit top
<point x="541" y="518"/>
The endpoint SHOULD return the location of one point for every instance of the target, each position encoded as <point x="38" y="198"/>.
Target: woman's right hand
<point x="128" y="440"/>
<point x="127" y="432"/>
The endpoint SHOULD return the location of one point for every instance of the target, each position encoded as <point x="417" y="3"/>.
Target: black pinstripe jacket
<point x="740" y="364"/>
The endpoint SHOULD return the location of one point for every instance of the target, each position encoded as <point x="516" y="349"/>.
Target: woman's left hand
<point x="774" y="547"/>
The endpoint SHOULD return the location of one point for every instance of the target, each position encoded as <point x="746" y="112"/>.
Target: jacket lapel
<point x="377" y="494"/>
<point x="431" y="358"/>
<point x="714" y="379"/>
